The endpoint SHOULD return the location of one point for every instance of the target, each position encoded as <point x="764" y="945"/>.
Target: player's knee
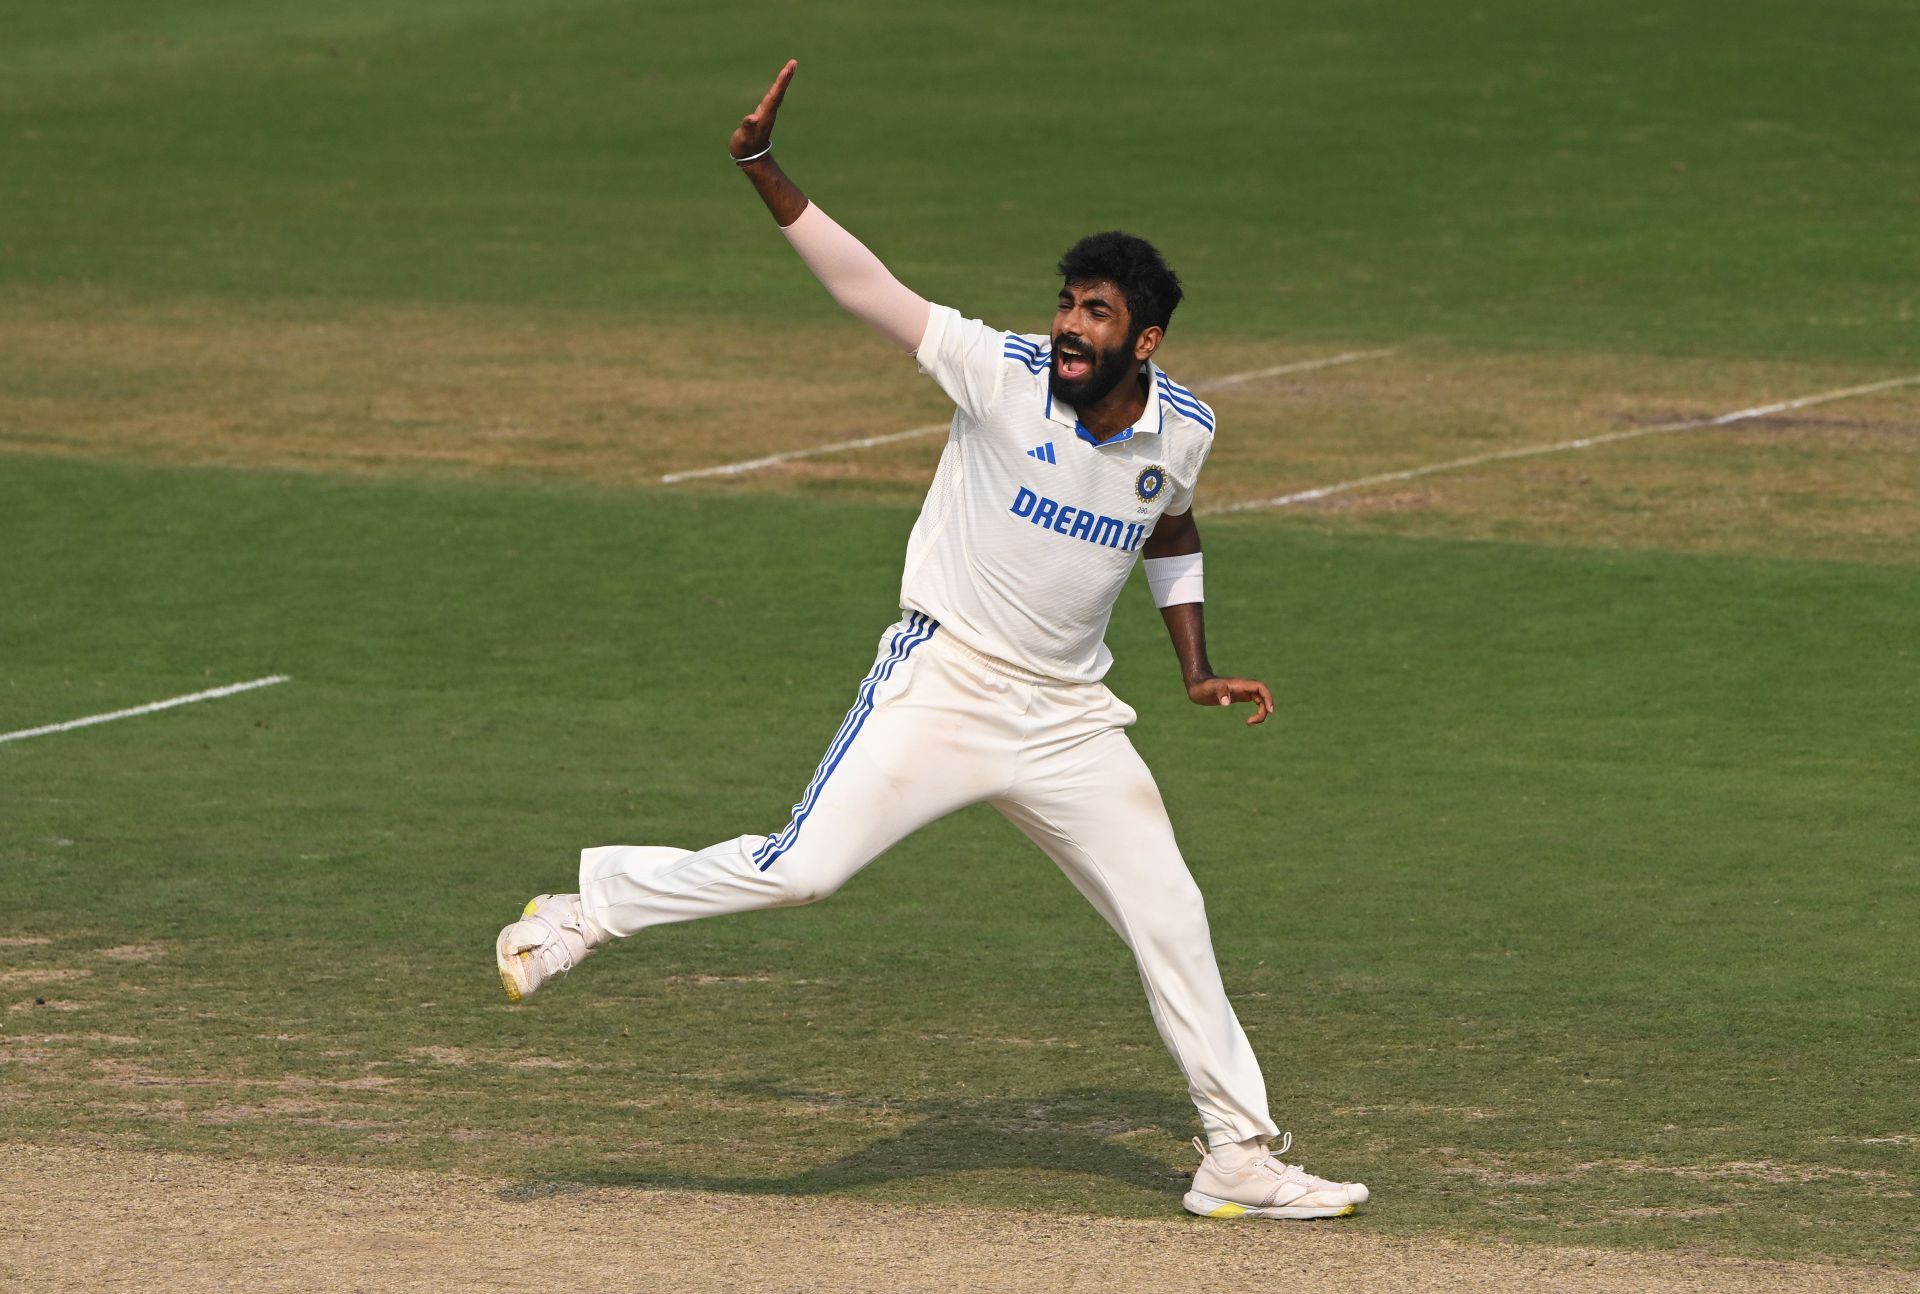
<point x="1180" y="915"/>
<point x="801" y="884"/>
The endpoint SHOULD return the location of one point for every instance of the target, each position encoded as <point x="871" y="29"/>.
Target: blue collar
<point x="1152" y="419"/>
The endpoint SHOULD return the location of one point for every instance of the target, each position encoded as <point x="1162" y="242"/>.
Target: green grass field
<point x="1652" y="177"/>
<point x="1569" y="897"/>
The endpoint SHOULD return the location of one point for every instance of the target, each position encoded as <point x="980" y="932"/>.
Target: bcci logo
<point x="1149" y="483"/>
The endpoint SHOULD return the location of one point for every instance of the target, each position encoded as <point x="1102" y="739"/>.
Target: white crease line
<point x="754" y="464"/>
<point x="1585" y="442"/>
<point x="168" y="704"/>
<point x="940" y="428"/>
<point x="1235" y="379"/>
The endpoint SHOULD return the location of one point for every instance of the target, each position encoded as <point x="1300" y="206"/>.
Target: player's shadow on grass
<point x="1068" y="1132"/>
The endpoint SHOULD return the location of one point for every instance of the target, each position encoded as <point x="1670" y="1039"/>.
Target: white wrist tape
<point x="1174" y="579"/>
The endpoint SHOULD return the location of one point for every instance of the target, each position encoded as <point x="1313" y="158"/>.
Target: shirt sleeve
<point x="1184" y="486"/>
<point x="963" y="356"/>
<point x="856" y="278"/>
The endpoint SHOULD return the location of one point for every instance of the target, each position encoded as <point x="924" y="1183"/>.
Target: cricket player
<point x="1069" y="454"/>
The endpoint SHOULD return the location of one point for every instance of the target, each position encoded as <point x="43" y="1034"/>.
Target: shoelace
<point x="1278" y="1169"/>
<point x="1286" y="1144"/>
<point x="1270" y="1162"/>
<point x="557" y="943"/>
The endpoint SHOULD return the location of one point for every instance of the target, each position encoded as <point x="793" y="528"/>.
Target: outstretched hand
<point x="1225" y="691"/>
<point x="754" y="134"/>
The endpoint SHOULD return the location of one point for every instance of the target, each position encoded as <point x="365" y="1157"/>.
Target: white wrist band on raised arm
<point x="1174" y="580"/>
<point x="742" y="161"/>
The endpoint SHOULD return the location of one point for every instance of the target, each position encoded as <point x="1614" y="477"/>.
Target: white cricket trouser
<point x="937" y="727"/>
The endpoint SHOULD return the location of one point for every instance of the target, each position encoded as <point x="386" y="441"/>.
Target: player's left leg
<point x="1088" y="800"/>
<point x="920" y="742"/>
<point x="1099" y="815"/>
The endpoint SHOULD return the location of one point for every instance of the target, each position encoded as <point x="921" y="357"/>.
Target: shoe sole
<point x="1208" y="1206"/>
<point x="502" y="964"/>
<point x="503" y="961"/>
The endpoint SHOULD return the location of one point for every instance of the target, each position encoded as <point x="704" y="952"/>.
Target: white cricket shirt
<point x="1030" y="527"/>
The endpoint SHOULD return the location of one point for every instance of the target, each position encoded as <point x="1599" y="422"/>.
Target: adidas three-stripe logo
<point x="1044" y="453"/>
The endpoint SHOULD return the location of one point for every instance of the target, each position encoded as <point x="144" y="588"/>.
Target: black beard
<point x="1110" y="368"/>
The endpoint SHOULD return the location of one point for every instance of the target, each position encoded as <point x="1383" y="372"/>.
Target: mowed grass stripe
<point x="1565" y="895"/>
<point x="545" y="394"/>
<point x="1565" y="446"/>
<point x="934" y="429"/>
<point x="1633" y="178"/>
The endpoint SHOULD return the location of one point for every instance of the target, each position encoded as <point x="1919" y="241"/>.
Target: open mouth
<point x="1071" y="363"/>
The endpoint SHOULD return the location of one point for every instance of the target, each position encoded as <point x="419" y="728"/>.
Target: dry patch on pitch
<point x="37" y="981"/>
<point x="50" y="1004"/>
<point x="468" y="1057"/>
<point x="146" y="952"/>
<point x="192" y="1223"/>
<point x="42" y="975"/>
<point x="538" y="393"/>
<point x="1494" y="1170"/>
<point x="761" y="978"/>
<point x="449" y="390"/>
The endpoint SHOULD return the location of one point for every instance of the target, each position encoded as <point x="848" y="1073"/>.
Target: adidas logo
<point x="1044" y="453"/>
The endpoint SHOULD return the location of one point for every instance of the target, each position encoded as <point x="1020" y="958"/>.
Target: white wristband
<point x="1174" y="580"/>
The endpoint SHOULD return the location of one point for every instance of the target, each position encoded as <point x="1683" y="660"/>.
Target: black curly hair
<point x="1133" y="265"/>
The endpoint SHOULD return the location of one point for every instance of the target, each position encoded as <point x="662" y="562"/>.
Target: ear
<point x="1148" y="342"/>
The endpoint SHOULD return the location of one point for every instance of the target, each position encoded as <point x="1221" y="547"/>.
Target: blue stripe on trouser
<point x="919" y="628"/>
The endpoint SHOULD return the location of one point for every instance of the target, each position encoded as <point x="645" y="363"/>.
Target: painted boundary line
<point x="939" y="428"/>
<point x="168" y="704"/>
<point x="1585" y="442"/>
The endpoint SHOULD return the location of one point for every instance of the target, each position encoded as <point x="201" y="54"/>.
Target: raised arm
<point x="1173" y="566"/>
<point x="852" y="274"/>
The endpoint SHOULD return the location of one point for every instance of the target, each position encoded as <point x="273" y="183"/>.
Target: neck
<point x="1117" y="410"/>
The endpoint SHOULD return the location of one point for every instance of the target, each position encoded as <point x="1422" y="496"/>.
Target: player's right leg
<point x="905" y="755"/>
<point x="1089" y="801"/>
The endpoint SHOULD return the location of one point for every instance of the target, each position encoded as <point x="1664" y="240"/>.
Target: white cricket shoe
<point x="1263" y="1187"/>
<point x="551" y="937"/>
